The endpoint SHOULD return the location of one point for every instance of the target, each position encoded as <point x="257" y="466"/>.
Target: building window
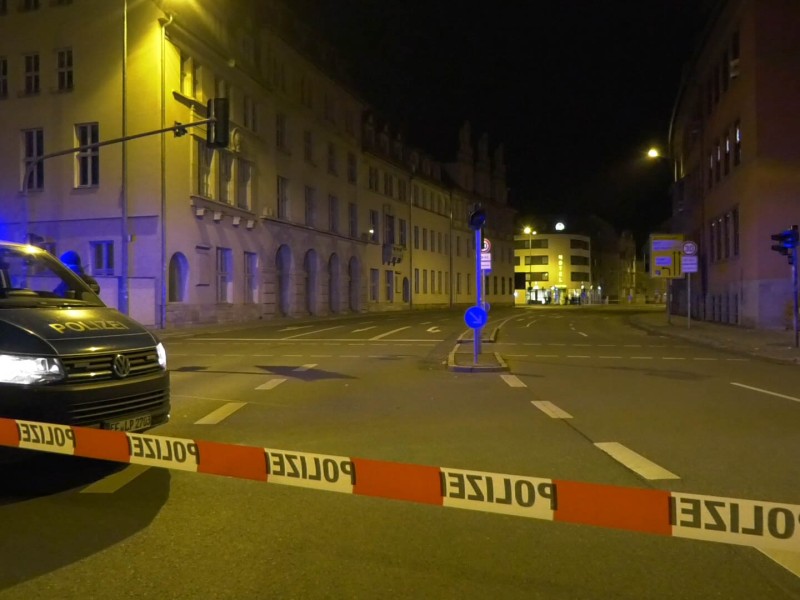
<point x="540" y="243"/>
<point x="351" y="168"/>
<point x="416" y="281"/>
<point x="726" y="163"/>
<point x="197" y="84"/>
<point x="250" y="277"/>
<point x="735" y="223"/>
<point x="374" y="276"/>
<point x="31" y="74"/>
<point x="333" y="213"/>
<point x="178" y="276"/>
<point x="424" y="238"/>
<point x="225" y="176"/>
<point x="390" y="286"/>
<point x="64" y="62"/>
<point x="310" y="206"/>
<point x="537" y="260"/>
<point x="373" y="179"/>
<point x="577" y="260"/>
<point x="737" y="144"/>
<point x="333" y="167"/>
<point x="726" y="229"/>
<point x="308" y="147"/>
<point x="283" y="197"/>
<point x="244" y="187"/>
<point x="352" y="219"/>
<point x="579" y="276"/>
<point x="424" y="281"/>
<point x="403" y="241"/>
<point x="281" y="133"/>
<point x="205" y="158"/>
<point x="3" y="77"/>
<point x="186" y="74"/>
<point x="373" y="225"/>
<point x="249" y="112"/>
<point x="224" y="275"/>
<point x="416" y="237"/>
<point x="33" y="140"/>
<point x="102" y="258"/>
<point x="28" y="5"/>
<point x="87" y="161"/>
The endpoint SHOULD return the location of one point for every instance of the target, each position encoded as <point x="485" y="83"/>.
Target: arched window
<point x="178" y="278"/>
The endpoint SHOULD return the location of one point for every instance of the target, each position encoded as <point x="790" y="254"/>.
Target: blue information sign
<point x="475" y="317"/>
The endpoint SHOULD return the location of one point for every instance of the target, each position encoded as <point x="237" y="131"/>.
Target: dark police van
<point x="65" y="357"/>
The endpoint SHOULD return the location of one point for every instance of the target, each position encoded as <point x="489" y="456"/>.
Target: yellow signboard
<point x="666" y="250"/>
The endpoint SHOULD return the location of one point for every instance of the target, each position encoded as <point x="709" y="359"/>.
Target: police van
<point x="66" y="357"/>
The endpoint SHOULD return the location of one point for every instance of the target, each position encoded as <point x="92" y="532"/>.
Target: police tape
<point x="709" y="518"/>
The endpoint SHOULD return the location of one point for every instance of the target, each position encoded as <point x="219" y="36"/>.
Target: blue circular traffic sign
<point x="475" y="317"/>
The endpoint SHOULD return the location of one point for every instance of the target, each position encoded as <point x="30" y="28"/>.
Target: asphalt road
<point x="584" y="392"/>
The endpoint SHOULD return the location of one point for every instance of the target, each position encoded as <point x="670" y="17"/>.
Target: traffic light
<point x="787" y="242"/>
<point x="477" y="218"/>
<point x="218" y="130"/>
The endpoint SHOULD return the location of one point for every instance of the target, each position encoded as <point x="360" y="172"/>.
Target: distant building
<point x="553" y="268"/>
<point x="315" y="206"/>
<point x="734" y="145"/>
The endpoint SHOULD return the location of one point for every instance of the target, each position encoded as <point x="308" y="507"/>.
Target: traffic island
<point x="462" y="360"/>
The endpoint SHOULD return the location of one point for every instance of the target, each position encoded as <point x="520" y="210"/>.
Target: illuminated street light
<point x="560" y="226"/>
<point x="530" y="233"/>
<point x="654" y="153"/>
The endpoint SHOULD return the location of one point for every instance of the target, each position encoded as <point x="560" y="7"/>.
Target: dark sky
<point x="576" y="90"/>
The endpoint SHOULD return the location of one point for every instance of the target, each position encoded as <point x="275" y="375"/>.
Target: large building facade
<point x="554" y="268"/>
<point x="737" y="162"/>
<point x="315" y="207"/>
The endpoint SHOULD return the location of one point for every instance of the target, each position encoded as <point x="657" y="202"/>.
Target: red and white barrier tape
<point x="709" y="518"/>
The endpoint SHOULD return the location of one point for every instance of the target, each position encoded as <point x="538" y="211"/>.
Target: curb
<point x="452" y="364"/>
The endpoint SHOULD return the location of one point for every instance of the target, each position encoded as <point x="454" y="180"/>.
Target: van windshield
<point x="30" y="276"/>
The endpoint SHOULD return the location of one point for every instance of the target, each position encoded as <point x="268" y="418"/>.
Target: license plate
<point x="132" y="424"/>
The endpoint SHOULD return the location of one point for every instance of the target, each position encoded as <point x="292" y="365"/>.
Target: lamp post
<point x="530" y="232"/>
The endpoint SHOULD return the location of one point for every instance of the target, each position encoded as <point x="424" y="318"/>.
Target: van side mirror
<point x="92" y="283"/>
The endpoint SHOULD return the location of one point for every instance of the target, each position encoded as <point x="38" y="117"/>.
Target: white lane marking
<point x="632" y="345"/>
<point x="320" y="356"/>
<point x="295" y="327"/>
<point x="115" y="481"/>
<point x="755" y="389"/>
<point x="609" y="357"/>
<point x="532" y="344"/>
<point x="635" y="462"/>
<point x="642" y="357"/>
<point x="433" y="329"/>
<point x="222" y="413"/>
<point x="577" y="356"/>
<point x="788" y="560"/>
<point x="551" y="410"/>
<point x="704" y="359"/>
<point x="673" y="358"/>
<point x="513" y="381"/>
<point x="516" y="355"/>
<point x="304" y="368"/>
<point x="315" y="340"/>
<point x="529" y="324"/>
<point x="583" y="334"/>
<point x="292" y="337"/>
<point x="263" y="355"/>
<point x="272" y="383"/>
<point x="606" y="345"/>
<point x="363" y="329"/>
<point x="546" y="355"/>
<point x="383" y="335"/>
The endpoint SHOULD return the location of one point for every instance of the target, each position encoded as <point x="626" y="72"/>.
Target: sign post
<point x="665" y="261"/>
<point x="476" y="221"/>
<point x="689" y="266"/>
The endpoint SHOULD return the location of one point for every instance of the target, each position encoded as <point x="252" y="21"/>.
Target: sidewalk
<point x="773" y="345"/>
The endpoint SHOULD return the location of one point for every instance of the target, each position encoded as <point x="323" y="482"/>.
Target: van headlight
<point x="25" y="370"/>
<point x="162" y="355"/>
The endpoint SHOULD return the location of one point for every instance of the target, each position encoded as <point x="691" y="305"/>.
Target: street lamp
<point x="530" y="232"/>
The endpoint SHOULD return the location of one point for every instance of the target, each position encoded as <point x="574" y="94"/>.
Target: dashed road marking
<point x="304" y="368"/>
<point x="635" y="462"/>
<point x="115" y="481"/>
<point x="223" y="412"/>
<point x="272" y="383"/>
<point x="513" y="381"/>
<point x="383" y="335"/>
<point x="551" y="410"/>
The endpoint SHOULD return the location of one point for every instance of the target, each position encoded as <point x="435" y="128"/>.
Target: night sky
<point x="576" y="90"/>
